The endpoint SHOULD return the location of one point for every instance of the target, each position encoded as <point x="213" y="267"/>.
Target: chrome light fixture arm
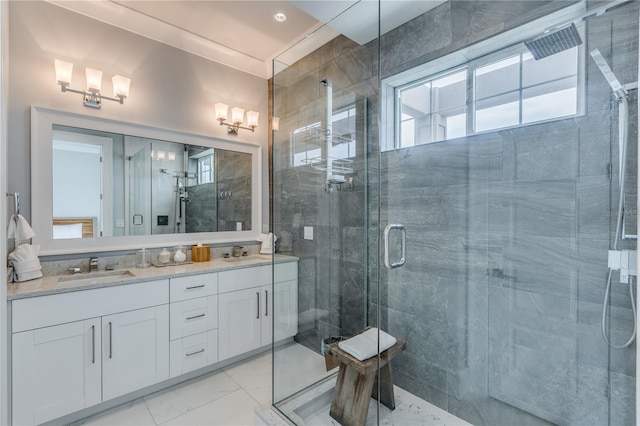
<point x="92" y="98"/>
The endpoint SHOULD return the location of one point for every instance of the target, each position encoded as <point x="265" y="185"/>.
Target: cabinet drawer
<point x="44" y="311"/>
<point x="193" y="352"/>
<point x="241" y="279"/>
<point x="193" y="316"/>
<point x="184" y="288"/>
<point x="285" y="272"/>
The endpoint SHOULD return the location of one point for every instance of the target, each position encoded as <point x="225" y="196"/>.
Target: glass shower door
<point x="505" y="171"/>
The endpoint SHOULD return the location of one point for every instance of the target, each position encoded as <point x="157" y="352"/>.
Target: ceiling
<point x="243" y="34"/>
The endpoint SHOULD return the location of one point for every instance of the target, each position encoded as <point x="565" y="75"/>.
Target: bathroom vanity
<point x="78" y="343"/>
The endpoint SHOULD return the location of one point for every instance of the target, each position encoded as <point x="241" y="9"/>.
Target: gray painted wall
<point x="501" y="296"/>
<point x="170" y="88"/>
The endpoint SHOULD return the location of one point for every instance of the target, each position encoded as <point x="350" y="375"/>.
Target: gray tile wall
<point x="508" y="232"/>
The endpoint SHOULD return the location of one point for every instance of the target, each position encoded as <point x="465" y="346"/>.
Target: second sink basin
<point x="96" y="277"/>
<point x="247" y="258"/>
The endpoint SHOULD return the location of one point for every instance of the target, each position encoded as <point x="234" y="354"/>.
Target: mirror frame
<point x="42" y="121"/>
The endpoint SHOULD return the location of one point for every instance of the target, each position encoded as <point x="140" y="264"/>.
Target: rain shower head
<point x="554" y="42"/>
<point x="605" y="69"/>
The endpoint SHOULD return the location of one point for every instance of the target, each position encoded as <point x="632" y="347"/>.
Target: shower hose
<point x="623" y="120"/>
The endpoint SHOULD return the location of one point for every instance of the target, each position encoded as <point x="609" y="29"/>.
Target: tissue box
<point x="200" y="254"/>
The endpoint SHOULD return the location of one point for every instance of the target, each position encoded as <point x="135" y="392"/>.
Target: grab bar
<point x="403" y="258"/>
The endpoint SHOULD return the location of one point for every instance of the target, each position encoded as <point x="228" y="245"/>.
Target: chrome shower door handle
<point x="403" y="246"/>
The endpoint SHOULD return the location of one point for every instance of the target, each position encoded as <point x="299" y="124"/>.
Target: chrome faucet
<point x="93" y="264"/>
<point x="237" y="251"/>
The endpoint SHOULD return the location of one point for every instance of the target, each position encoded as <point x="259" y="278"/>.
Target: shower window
<point x="433" y="110"/>
<point x="519" y="90"/>
<point x="505" y="89"/>
<point x="205" y="169"/>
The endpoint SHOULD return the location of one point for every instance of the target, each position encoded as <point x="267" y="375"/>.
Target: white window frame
<point x="480" y="53"/>
<point x="470" y="67"/>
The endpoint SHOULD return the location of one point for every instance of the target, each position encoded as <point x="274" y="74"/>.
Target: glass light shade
<point x="221" y="110"/>
<point x="275" y="123"/>
<point x="252" y="118"/>
<point x="94" y="79"/>
<point x="172" y="156"/>
<point x="237" y="115"/>
<point x="161" y="155"/>
<point x="121" y="86"/>
<point x="63" y="71"/>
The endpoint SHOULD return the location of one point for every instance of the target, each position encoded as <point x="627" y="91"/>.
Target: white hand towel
<point x="25" y="262"/>
<point x="268" y="240"/>
<point x="365" y="345"/>
<point x="19" y="229"/>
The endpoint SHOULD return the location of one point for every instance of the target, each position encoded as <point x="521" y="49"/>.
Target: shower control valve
<point x="626" y="261"/>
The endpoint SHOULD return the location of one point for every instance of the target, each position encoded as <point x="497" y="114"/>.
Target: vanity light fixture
<point x="237" y="118"/>
<point x="92" y="96"/>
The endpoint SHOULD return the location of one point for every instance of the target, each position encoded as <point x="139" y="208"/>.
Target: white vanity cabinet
<point x="135" y="350"/>
<point x="248" y="308"/>
<point x="74" y="350"/>
<point x="56" y="371"/>
<point x="194" y="322"/>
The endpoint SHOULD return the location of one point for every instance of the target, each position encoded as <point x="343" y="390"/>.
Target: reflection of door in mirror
<point x="82" y="170"/>
<point x="140" y="192"/>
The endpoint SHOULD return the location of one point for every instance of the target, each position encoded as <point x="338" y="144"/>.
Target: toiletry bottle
<point x="164" y="256"/>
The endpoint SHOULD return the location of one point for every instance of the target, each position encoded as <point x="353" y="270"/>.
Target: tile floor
<point x="231" y="395"/>
<point x="225" y="397"/>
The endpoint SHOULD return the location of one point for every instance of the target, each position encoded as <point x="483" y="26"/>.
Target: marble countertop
<point x="50" y="284"/>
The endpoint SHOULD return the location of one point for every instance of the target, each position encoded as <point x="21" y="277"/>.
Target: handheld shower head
<point x="605" y="69"/>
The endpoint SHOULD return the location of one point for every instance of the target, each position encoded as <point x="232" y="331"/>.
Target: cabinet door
<point x="240" y="322"/>
<point x="135" y="350"/>
<point x="285" y="309"/>
<point x="266" y="311"/>
<point x="56" y="371"/>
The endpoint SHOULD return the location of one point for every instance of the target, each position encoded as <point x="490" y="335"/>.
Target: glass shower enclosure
<point x="496" y="143"/>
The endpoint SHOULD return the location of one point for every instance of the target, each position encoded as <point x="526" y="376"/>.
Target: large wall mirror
<point x="106" y="185"/>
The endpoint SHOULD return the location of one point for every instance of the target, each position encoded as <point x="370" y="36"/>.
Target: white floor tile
<point x="133" y="414"/>
<point x="296" y="367"/>
<point x="237" y="408"/>
<point x="254" y="377"/>
<point x="180" y="399"/>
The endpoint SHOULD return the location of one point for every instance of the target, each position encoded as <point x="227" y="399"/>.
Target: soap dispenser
<point x="164" y="257"/>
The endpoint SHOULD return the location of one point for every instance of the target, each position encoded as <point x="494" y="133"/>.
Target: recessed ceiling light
<point x="280" y="17"/>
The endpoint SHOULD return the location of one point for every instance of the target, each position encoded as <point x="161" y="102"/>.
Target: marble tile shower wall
<point x="501" y="296"/>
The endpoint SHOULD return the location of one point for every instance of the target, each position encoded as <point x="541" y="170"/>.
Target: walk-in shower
<point x="502" y="137"/>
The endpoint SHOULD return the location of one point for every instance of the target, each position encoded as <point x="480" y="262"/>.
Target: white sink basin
<point x="96" y="277"/>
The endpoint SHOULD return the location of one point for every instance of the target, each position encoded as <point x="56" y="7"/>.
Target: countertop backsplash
<point x="128" y="260"/>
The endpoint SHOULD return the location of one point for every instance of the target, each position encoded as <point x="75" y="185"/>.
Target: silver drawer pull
<point x="196" y="352"/>
<point x="195" y="286"/>
<point x="195" y="316"/>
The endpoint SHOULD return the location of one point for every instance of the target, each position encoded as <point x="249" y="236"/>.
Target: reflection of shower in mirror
<point x="181" y="197"/>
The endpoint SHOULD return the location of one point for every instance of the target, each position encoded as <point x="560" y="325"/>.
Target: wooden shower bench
<point x="357" y="382"/>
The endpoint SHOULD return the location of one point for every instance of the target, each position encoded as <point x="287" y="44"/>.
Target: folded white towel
<point x="25" y="262"/>
<point x="268" y="241"/>
<point x="19" y="229"/>
<point x="365" y="345"/>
